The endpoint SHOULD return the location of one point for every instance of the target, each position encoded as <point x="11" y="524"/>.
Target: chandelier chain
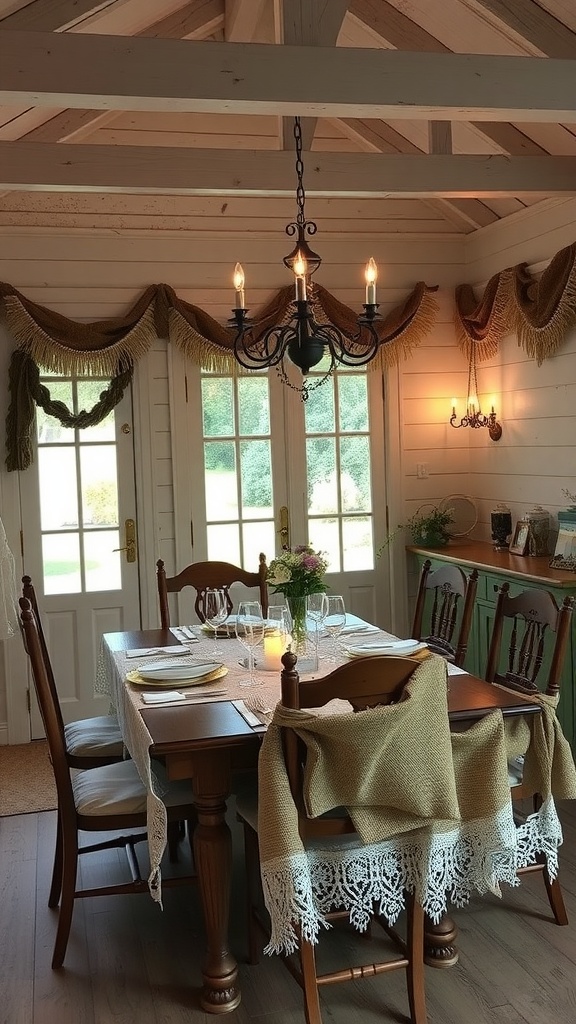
<point x="300" y="193"/>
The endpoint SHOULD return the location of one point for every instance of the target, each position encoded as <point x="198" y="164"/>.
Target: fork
<point x="255" y="703"/>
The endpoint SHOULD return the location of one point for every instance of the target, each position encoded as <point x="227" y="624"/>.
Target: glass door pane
<point x="237" y="462"/>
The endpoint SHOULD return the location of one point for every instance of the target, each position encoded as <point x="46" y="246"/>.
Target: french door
<point x="80" y="543"/>
<point x="272" y="469"/>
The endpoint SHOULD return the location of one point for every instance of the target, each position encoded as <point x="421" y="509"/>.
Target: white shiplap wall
<point x="93" y="272"/>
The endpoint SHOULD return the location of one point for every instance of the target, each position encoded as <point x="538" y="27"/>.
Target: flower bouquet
<point x="296" y="574"/>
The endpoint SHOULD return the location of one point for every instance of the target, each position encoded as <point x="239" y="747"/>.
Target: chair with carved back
<point x="203" y="576"/>
<point x="528" y="646"/>
<point x="364" y="682"/>
<point x="105" y="799"/>
<point x="444" y="610"/>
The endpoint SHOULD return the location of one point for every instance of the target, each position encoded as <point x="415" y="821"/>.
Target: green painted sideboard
<point x="520" y="571"/>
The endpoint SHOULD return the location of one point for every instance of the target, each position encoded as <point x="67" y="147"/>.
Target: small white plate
<point x="168" y="670"/>
<point x="396" y="649"/>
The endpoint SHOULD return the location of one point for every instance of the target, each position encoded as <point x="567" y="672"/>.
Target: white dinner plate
<point x="393" y="649"/>
<point x="169" y="672"/>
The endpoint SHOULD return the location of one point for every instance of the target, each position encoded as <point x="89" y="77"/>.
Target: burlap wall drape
<point x="110" y="348"/>
<point x="540" y="312"/>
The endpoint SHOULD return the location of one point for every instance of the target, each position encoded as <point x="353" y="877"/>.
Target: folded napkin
<point x="146" y="652"/>
<point x="454" y="670"/>
<point x="359" y="628"/>
<point x="165" y="697"/>
<point x="175" y="696"/>
<point x="185" y="634"/>
<point x="249" y="716"/>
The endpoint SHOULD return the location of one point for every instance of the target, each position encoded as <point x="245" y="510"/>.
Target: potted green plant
<point x="428" y="527"/>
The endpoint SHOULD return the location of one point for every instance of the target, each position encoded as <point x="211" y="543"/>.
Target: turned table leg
<point x="439" y="942"/>
<point x="213" y="856"/>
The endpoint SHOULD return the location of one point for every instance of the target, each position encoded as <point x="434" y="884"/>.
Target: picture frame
<point x="519" y="544"/>
<point x="565" y="550"/>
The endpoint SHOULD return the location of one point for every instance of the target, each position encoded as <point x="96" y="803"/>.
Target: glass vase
<point x="297" y="606"/>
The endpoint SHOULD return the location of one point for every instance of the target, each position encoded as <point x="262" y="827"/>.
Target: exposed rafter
<point x="25" y="165"/>
<point x="114" y="73"/>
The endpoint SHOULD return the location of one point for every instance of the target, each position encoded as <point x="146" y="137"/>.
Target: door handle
<point x="130" y="546"/>
<point x="284" y="531"/>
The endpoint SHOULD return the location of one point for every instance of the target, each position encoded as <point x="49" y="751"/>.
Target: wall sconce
<point x="474" y="417"/>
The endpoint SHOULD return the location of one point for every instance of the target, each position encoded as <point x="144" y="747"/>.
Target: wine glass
<point x="334" y="621"/>
<point x="215" y="612"/>
<point x="250" y="632"/>
<point x="316" y="608"/>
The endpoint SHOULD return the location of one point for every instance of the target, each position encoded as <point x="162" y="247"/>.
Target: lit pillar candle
<point x="274" y="647"/>
<point x="239" y="286"/>
<point x="300" y="269"/>
<point x="371" y="274"/>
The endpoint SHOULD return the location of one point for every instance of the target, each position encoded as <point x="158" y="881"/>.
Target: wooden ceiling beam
<point x="532" y="22"/>
<point x="307" y="23"/>
<point x="382" y="19"/>
<point x="55" y="16"/>
<point x="117" y="73"/>
<point x="137" y="169"/>
<point x="381" y="138"/>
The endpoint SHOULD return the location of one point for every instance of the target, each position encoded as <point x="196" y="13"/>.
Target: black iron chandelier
<point x="300" y="338"/>
<point x="474" y="417"/>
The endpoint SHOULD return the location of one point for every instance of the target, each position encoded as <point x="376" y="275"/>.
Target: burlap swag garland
<point x="110" y="348"/>
<point x="540" y="312"/>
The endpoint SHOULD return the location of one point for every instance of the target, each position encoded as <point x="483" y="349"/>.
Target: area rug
<point x="26" y="779"/>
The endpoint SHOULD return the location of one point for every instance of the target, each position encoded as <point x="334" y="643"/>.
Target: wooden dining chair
<point x="105" y="799"/>
<point x="89" y="742"/>
<point x="364" y="682"/>
<point x="528" y="647"/>
<point x="444" y="610"/>
<point x="205" y="576"/>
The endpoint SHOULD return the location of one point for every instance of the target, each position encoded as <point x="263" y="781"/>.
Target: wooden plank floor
<point x="130" y="963"/>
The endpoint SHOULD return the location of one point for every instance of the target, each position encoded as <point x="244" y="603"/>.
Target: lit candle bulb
<point x="472" y="404"/>
<point x="274" y="647"/>
<point x="239" y="286"/>
<point x="300" y="269"/>
<point x="453" y="406"/>
<point x="371" y="274"/>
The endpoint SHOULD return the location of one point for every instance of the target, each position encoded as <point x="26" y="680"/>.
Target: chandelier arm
<point x="342" y="346"/>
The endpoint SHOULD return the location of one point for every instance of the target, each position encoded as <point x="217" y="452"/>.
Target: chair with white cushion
<point x="105" y="799"/>
<point x="90" y="742"/>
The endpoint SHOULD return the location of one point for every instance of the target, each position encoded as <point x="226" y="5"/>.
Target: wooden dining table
<point x="213" y="745"/>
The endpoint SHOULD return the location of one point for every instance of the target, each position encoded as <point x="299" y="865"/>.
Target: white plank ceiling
<point x="179" y="115"/>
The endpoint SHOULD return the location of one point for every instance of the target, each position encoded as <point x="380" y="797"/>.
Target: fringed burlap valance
<point x="65" y="346"/>
<point x="110" y="348"/>
<point x="540" y="312"/>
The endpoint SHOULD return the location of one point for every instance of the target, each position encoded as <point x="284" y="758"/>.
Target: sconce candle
<point x="274" y="647"/>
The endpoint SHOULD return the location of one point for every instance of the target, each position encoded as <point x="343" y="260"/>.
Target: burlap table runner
<point x="432" y="810"/>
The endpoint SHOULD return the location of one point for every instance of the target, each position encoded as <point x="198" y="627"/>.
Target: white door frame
<point x="15" y="662"/>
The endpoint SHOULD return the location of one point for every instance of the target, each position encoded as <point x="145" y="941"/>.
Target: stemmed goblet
<point x="215" y="612"/>
<point x="250" y="626"/>
<point x="316" y="608"/>
<point x="334" y="621"/>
